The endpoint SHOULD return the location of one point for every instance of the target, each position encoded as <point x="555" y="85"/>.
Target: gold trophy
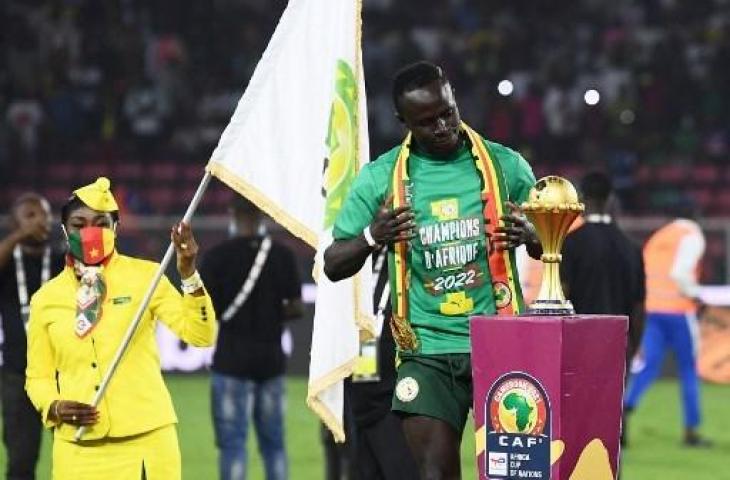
<point x="551" y="207"/>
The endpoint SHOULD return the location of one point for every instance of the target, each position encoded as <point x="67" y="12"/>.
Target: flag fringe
<point x="262" y="201"/>
<point x="319" y="408"/>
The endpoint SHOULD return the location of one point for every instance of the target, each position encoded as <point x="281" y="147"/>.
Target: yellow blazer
<point x="62" y="366"/>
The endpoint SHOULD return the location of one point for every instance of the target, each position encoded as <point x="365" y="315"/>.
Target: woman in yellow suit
<point x="77" y="322"/>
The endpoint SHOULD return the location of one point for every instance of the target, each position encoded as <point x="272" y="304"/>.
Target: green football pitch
<point x="655" y="452"/>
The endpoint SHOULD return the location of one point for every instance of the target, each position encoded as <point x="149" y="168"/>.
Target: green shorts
<point x="437" y="386"/>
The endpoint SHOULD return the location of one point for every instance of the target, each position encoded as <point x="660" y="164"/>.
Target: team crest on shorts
<point x="407" y="389"/>
<point x="502" y="294"/>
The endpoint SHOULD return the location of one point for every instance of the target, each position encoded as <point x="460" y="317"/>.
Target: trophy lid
<point x="553" y="192"/>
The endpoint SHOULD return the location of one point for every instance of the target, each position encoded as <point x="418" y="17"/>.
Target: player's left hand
<point x="186" y="248"/>
<point x="515" y="231"/>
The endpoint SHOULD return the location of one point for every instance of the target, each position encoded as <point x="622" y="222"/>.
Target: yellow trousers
<point x="119" y="458"/>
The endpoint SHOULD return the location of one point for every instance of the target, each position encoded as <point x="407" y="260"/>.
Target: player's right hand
<point x="393" y="224"/>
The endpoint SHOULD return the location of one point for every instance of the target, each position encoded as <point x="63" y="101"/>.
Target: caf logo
<point x="517" y="417"/>
<point x="517" y="405"/>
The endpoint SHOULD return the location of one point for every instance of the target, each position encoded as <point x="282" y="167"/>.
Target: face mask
<point x="91" y="245"/>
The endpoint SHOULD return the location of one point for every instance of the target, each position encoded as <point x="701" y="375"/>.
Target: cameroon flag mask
<point x="91" y="245"/>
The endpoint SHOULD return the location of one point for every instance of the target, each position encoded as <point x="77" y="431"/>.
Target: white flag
<point x="294" y="145"/>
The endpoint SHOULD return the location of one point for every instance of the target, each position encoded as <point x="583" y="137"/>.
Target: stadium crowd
<point x="135" y="82"/>
<point x="141" y="91"/>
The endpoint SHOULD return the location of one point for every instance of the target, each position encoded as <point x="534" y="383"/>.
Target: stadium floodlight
<point x="592" y="97"/>
<point x="505" y="88"/>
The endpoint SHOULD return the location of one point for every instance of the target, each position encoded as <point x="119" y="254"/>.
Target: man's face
<point x="243" y="223"/>
<point x="34" y="215"/>
<point x="431" y="114"/>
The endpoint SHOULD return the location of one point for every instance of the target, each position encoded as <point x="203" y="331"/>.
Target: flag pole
<point x="145" y="302"/>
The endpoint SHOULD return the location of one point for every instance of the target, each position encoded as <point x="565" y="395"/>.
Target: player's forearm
<point x="344" y="258"/>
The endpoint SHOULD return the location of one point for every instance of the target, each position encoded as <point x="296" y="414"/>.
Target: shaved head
<point x="30" y="197"/>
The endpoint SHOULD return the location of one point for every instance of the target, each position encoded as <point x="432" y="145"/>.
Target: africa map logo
<point x="518" y="406"/>
<point x="518" y="428"/>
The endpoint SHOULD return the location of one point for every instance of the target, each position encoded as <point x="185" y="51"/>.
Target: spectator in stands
<point x="146" y="113"/>
<point x="27" y="261"/>
<point x="256" y="289"/>
<point x="532" y="120"/>
<point x="65" y="115"/>
<point x="676" y="55"/>
<point x="72" y="341"/>
<point x="561" y="107"/>
<point x="25" y="118"/>
<point x="672" y="256"/>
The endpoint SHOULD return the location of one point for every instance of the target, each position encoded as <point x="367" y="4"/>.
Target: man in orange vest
<point x="671" y="257"/>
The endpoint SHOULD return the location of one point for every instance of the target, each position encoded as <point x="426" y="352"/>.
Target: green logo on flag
<point x="341" y="164"/>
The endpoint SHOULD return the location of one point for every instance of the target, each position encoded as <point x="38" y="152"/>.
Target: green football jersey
<point x="450" y="278"/>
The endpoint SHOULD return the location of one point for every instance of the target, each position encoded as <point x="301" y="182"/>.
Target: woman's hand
<point x="185" y="247"/>
<point x="73" y="413"/>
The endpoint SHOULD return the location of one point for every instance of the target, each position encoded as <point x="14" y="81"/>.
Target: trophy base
<point x="550" y="307"/>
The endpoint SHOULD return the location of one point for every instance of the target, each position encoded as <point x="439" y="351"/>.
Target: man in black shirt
<point x="255" y="287"/>
<point x="602" y="270"/>
<point x="26" y="262"/>
<point x="381" y="449"/>
<point x="376" y="447"/>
